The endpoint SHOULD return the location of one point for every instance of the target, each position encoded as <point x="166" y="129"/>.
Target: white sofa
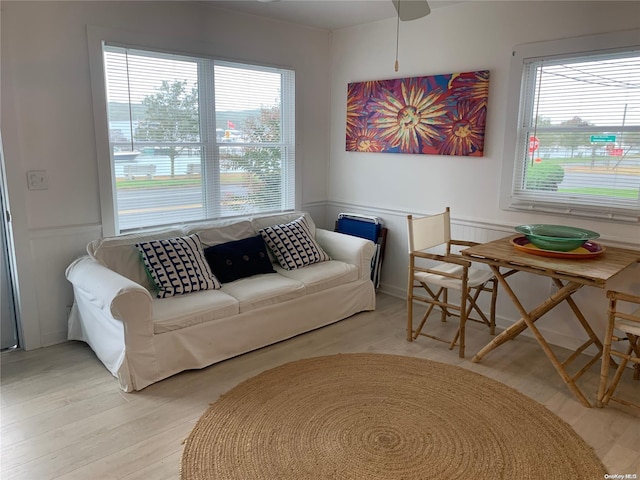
<point x="142" y="339"/>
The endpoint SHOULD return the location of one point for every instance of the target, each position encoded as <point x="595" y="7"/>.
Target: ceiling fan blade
<point x="411" y="9"/>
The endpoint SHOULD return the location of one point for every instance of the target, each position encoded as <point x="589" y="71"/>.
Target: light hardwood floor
<point x="63" y="416"/>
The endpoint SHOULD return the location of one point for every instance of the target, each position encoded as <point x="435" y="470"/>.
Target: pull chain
<point x="397" y="34"/>
<point x="535" y="124"/>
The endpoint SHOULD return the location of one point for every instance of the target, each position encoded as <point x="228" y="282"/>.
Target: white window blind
<point x="195" y="138"/>
<point x="578" y="145"/>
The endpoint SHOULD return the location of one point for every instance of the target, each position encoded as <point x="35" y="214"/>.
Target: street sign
<point x="615" y="152"/>
<point x="603" y="138"/>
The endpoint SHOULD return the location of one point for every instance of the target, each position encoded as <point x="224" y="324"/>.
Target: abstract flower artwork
<point x="435" y="115"/>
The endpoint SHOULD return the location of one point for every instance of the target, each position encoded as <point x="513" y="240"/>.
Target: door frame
<point x="9" y="250"/>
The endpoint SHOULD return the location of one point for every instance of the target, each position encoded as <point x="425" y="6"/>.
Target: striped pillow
<point x="293" y="245"/>
<point x="177" y="265"/>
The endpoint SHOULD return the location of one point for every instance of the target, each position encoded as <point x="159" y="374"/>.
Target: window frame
<point x="518" y="100"/>
<point x="97" y="38"/>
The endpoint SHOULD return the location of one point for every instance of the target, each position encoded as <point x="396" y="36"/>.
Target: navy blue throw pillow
<point x="239" y="259"/>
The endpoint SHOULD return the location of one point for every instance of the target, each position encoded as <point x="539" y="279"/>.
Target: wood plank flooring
<point x="63" y="416"/>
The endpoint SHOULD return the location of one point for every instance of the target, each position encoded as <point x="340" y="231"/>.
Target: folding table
<point x="569" y="275"/>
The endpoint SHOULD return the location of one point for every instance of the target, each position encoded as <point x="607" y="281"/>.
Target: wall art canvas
<point x="434" y="115"/>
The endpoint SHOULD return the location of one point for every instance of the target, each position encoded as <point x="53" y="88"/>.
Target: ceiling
<point x="325" y="14"/>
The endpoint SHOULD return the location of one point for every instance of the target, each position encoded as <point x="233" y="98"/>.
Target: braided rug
<point x="381" y="417"/>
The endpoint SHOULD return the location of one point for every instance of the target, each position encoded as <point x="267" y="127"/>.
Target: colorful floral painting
<point x="435" y="115"/>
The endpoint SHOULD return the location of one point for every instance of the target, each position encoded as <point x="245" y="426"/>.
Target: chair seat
<point x="629" y="326"/>
<point x="476" y="277"/>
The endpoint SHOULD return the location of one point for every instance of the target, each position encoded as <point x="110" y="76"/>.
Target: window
<point x="194" y="138"/>
<point x="574" y="135"/>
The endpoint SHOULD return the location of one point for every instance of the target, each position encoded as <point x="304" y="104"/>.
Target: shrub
<point x="544" y="176"/>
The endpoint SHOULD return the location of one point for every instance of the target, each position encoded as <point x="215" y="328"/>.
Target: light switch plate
<point x="37" y="180"/>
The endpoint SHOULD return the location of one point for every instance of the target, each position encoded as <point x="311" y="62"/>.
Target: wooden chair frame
<point x="439" y="295"/>
<point x="607" y="389"/>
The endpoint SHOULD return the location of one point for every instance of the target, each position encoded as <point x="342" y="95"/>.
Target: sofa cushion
<point x="320" y="276"/>
<point x="293" y="244"/>
<point x="187" y="310"/>
<point x="178" y="265"/>
<point x="222" y="231"/>
<point x="120" y="254"/>
<point x="239" y="259"/>
<point x="262" y="290"/>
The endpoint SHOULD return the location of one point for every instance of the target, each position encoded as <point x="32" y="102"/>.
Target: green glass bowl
<point x="558" y="238"/>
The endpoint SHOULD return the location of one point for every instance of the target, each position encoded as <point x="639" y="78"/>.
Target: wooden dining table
<point x="569" y="275"/>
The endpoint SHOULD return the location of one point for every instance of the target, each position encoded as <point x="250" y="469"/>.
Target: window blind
<point x="194" y="138"/>
<point x="578" y="148"/>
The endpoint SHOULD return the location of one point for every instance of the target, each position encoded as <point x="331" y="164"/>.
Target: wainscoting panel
<point x="531" y="289"/>
<point x="52" y="251"/>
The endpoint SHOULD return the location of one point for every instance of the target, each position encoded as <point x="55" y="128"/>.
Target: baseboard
<point x="53" y="338"/>
<point x="392" y="290"/>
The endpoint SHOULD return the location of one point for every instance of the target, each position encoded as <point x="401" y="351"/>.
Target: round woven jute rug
<point x="386" y="417"/>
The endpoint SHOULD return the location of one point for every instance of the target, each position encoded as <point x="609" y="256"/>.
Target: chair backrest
<point x="427" y="232"/>
<point x="627" y="322"/>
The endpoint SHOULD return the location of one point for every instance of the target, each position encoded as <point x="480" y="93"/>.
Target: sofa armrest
<point x="114" y="315"/>
<point x="109" y="291"/>
<point x="349" y="249"/>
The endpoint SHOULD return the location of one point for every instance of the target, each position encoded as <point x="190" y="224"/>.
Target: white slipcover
<point x="142" y="339"/>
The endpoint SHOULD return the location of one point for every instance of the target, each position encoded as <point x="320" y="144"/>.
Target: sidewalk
<point x="620" y="170"/>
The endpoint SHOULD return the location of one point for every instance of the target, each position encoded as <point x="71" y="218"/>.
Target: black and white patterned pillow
<point x="177" y="265"/>
<point x="293" y="245"/>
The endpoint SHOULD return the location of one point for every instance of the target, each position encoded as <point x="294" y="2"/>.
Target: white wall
<point x="467" y="36"/>
<point x="47" y="123"/>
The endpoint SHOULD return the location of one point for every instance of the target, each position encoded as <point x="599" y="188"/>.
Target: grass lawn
<point x="602" y="192"/>
<point x="179" y="181"/>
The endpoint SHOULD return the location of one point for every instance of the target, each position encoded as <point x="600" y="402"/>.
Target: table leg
<point x="521" y="325"/>
<point x="583" y="321"/>
<point x="569" y="381"/>
<point x="528" y="320"/>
